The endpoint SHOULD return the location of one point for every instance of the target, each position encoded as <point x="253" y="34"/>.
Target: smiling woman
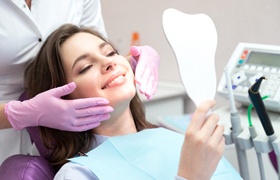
<point x="84" y="56"/>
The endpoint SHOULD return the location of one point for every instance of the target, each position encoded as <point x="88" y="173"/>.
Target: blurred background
<point x="235" y="20"/>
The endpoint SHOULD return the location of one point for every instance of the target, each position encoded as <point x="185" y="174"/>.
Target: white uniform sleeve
<point x="73" y="171"/>
<point x="92" y="16"/>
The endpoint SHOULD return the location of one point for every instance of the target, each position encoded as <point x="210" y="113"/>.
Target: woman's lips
<point x="114" y="80"/>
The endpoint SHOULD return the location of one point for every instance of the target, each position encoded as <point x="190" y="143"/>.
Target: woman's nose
<point x="108" y="64"/>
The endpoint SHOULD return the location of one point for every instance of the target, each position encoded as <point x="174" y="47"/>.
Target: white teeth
<point x="113" y="82"/>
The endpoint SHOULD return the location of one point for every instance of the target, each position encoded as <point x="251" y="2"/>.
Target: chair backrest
<point x="28" y="167"/>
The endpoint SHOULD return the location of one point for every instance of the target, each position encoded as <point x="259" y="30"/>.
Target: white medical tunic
<point x="22" y="32"/>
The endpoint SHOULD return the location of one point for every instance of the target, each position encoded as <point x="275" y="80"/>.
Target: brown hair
<point x="47" y="72"/>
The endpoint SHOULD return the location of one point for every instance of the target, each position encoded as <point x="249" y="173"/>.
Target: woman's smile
<point x="115" y="80"/>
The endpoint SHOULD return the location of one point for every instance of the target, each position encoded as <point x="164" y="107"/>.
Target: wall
<point x="236" y="21"/>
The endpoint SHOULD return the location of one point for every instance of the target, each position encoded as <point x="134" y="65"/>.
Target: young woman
<point x="83" y="56"/>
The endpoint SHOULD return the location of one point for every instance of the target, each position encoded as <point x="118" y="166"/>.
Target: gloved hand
<point x="145" y="63"/>
<point x="49" y="110"/>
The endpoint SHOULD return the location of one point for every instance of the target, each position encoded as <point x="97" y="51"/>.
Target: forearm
<point x="4" y="123"/>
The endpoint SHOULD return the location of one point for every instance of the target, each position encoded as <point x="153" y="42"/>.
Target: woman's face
<point x="97" y="69"/>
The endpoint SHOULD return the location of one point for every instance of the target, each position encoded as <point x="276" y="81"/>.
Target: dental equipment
<point x="257" y="101"/>
<point x="236" y="130"/>
<point x="260" y="108"/>
<point x="247" y="63"/>
<point x="254" y="135"/>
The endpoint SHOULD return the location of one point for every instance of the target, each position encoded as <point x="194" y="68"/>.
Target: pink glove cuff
<point x="9" y="111"/>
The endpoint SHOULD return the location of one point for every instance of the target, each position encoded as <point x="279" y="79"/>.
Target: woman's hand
<point x="203" y="145"/>
<point x="145" y="63"/>
<point x="49" y="110"/>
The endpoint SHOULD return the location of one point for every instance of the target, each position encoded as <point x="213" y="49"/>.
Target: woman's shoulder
<point x="74" y="171"/>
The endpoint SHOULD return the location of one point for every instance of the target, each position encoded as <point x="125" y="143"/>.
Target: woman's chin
<point x="123" y="95"/>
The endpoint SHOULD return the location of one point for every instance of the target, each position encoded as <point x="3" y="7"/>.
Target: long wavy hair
<point x="46" y="72"/>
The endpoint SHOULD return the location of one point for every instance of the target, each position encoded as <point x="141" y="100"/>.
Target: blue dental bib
<point x="149" y="154"/>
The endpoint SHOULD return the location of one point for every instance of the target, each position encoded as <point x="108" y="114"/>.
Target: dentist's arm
<point x="4" y="123"/>
<point x="203" y="145"/>
<point x="49" y="110"/>
<point x="145" y="63"/>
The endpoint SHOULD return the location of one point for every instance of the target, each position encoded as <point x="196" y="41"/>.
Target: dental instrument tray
<point x="247" y="64"/>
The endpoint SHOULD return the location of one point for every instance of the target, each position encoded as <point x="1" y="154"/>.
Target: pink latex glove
<point x="49" y="110"/>
<point x="145" y="63"/>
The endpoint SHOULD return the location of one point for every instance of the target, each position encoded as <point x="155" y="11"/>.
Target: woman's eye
<point x="85" y="69"/>
<point x="112" y="53"/>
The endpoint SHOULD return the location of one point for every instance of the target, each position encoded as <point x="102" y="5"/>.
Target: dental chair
<point x="28" y="167"/>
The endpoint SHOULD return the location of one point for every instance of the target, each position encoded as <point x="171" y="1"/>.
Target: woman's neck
<point x="118" y="124"/>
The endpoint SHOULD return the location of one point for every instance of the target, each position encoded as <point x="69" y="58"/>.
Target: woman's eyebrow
<point x="84" y="56"/>
<point x="103" y="44"/>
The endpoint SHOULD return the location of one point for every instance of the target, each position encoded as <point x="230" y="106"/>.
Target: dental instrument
<point x="260" y="108"/>
<point x="236" y="130"/>
<point x="257" y="101"/>
<point x="254" y="135"/>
